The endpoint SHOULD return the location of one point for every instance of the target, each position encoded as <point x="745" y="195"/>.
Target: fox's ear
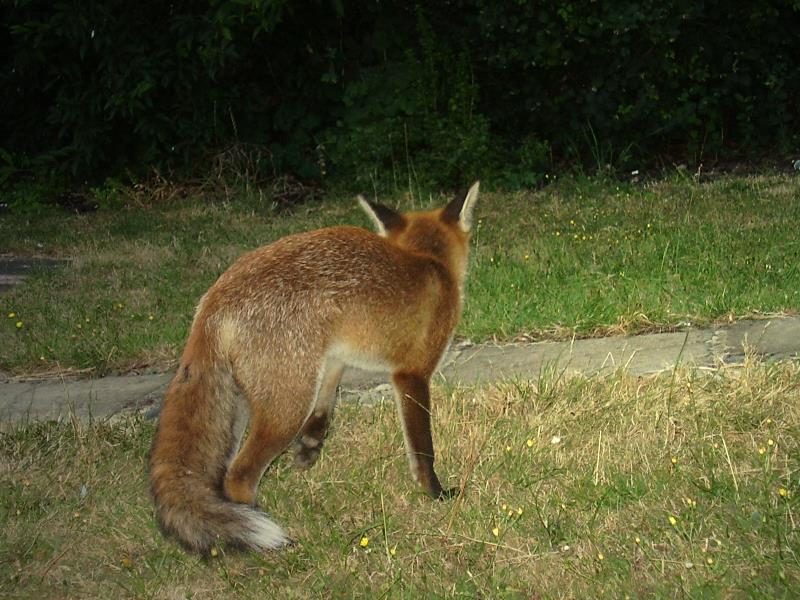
<point x="383" y="217"/>
<point x="460" y="208"/>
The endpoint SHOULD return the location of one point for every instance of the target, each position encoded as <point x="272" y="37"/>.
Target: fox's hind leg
<point x="312" y="435"/>
<point x="275" y="419"/>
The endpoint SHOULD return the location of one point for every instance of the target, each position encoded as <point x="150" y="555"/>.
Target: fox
<point x="266" y="350"/>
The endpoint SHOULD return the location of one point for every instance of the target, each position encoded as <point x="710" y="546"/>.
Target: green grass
<point x="582" y="257"/>
<point x="591" y="257"/>
<point x="668" y="486"/>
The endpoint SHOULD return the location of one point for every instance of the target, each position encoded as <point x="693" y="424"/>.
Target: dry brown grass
<point x="596" y="487"/>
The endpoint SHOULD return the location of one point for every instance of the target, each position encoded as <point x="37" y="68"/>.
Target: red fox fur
<point x="267" y="348"/>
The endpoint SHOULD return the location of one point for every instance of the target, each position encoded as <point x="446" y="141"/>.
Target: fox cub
<point x="267" y="348"/>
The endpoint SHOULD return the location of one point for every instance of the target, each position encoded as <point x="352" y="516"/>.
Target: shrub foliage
<point x="380" y="91"/>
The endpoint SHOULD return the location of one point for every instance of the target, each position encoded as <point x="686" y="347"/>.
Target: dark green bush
<point x="380" y="92"/>
<point x="413" y="118"/>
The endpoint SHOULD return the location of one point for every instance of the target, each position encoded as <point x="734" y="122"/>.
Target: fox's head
<point x="442" y="233"/>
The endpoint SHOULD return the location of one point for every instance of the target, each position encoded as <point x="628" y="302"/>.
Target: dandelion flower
<point x="673" y="521"/>
<point x="770" y="442"/>
<point x="214" y="552"/>
<point x="12" y="314"/>
<point x="519" y="511"/>
<point x="674" y="460"/>
<point x="496" y="531"/>
<point x="637" y="539"/>
<point x="600" y="556"/>
<point x="762" y="450"/>
<point x="710" y="560"/>
<point x="19" y="324"/>
<point x="529" y="443"/>
<point x="364" y="542"/>
<point x="783" y="492"/>
<point x="150" y="317"/>
<point x="768" y="421"/>
<point x="393" y="550"/>
<point x="508" y="448"/>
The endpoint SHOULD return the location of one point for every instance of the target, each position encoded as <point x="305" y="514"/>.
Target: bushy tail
<point x="188" y="458"/>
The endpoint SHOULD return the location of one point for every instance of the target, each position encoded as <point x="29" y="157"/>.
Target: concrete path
<point x="771" y="339"/>
<point x="13" y="270"/>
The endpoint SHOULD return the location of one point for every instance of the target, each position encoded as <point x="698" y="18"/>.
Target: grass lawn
<point x="581" y="257"/>
<point x="681" y="485"/>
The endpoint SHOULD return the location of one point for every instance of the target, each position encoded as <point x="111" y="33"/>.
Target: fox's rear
<point x="268" y="345"/>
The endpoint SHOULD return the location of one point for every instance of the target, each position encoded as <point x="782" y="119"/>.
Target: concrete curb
<point x="771" y="339"/>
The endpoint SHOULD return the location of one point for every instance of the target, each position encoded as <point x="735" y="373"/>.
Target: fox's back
<point x="335" y="265"/>
<point x="341" y="285"/>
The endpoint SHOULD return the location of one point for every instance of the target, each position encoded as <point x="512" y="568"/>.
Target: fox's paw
<point x="448" y="494"/>
<point x="306" y="452"/>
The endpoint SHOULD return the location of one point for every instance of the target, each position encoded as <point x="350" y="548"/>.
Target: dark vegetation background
<point x="372" y="94"/>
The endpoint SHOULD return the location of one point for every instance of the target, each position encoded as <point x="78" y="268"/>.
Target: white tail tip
<point x="265" y="534"/>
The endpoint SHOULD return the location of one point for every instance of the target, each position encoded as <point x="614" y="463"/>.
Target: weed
<point x="580" y="257"/>
<point x="574" y="496"/>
